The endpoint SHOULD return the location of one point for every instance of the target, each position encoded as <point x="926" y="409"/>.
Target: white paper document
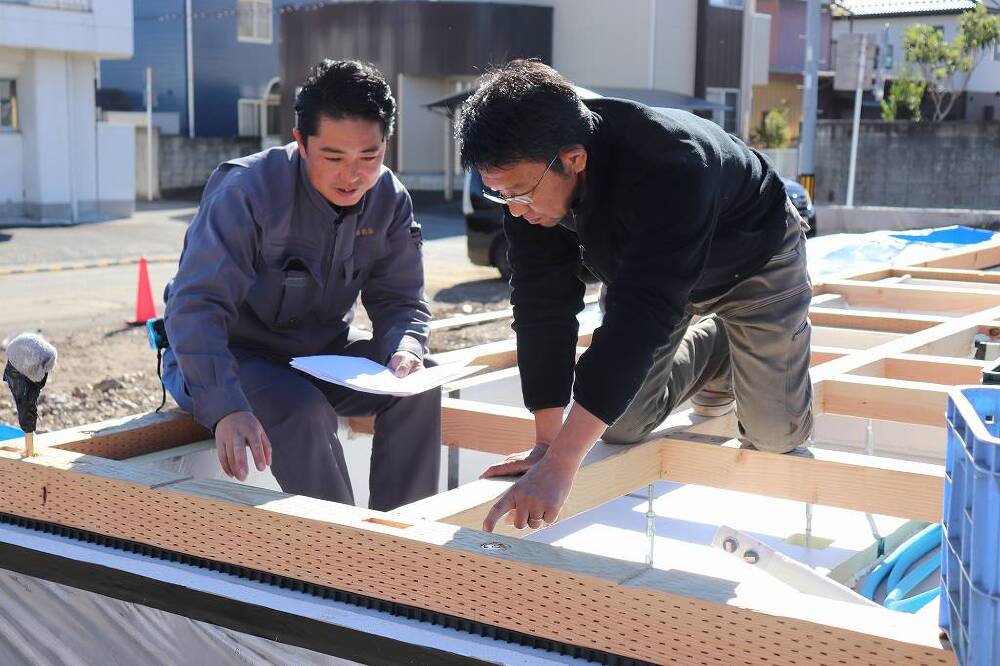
<point x="368" y="376"/>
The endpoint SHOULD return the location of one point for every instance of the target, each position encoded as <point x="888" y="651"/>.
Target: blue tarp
<point x="854" y="253"/>
<point x="9" y="432"/>
<point x="954" y="235"/>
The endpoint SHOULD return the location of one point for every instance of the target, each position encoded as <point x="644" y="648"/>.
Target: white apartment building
<point x="58" y="164"/>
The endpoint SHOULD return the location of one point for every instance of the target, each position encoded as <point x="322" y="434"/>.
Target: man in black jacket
<point x="678" y="219"/>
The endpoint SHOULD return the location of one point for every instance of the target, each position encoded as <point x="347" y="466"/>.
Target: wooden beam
<point x="832" y="478"/>
<point x="485" y="427"/>
<point x="608" y="472"/>
<point x="128" y="436"/>
<point x="521" y="585"/>
<point x="875" y="274"/>
<point x="890" y="322"/>
<point x="949" y="274"/>
<point x="906" y="344"/>
<point x="80" y="463"/>
<point x="931" y="369"/>
<point x="460" y="321"/>
<point x="981" y="255"/>
<point x="885" y="399"/>
<point x="478" y="426"/>
<point x="827" y="477"/>
<point x="821" y="354"/>
<point x="496" y="355"/>
<point x="918" y="298"/>
<point x="958" y="345"/>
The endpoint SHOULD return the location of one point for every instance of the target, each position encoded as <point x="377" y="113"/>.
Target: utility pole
<point x="881" y="64"/>
<point x="858" y="93"/>
<point x="807" y="134"/>
<point x="189" y="65"/>
<point x="149" y="134"/>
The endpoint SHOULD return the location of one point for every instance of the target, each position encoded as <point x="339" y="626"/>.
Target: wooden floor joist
<point x="978" y="257"/>
<point x="949" y="274"/>
<point x="910" y="298"/>
<point x="873" y="320"/>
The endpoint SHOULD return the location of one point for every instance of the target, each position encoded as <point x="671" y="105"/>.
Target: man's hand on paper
<point x="404" y="363"/>
<point x="233" y="434"/>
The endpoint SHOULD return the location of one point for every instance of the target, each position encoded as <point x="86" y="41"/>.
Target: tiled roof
<point x="889" y="7"/>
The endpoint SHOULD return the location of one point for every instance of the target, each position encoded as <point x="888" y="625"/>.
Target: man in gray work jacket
<point x="283" y="243"/>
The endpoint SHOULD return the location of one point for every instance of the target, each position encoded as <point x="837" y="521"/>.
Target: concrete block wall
<point x="918" y="165"/>
<point x="785" y="160"/>
<point x="186" y="163"/>
<point x="143" y="147"/>
<point x="115" y="170"/>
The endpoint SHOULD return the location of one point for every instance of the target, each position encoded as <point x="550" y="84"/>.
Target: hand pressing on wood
<point x="404" y="363"/>
<point x="516" y="463"/>
<point x="537" y="497"/>
<point x="233" y="434"/>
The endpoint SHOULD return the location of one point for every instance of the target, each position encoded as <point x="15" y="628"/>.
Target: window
<point x="728" y="4"/>
<point x="273" y="118"/>
<point x="255" y="21"/>
<point x="248" y="117"/>
<point x="8" y="105"/>
<point x="726" y="119"/>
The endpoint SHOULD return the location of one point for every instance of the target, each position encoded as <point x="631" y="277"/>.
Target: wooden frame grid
<point x="915" y="341"/>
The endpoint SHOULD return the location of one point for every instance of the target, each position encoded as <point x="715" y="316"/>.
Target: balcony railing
<point x="67" y="5"/>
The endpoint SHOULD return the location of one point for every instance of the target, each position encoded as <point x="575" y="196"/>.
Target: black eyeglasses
<point x="524" y="199"/>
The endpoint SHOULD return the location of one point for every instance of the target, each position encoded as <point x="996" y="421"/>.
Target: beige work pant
<point x="756" y="337"/>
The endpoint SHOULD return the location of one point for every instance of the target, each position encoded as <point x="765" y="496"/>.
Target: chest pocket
<point x="287" y="288"/>
<point x="351" y="272"/>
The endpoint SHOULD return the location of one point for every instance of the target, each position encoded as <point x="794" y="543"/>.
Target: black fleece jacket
<point x="675" y="210"/>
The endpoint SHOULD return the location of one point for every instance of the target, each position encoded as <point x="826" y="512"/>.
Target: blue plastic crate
<point x="970" y="567"/>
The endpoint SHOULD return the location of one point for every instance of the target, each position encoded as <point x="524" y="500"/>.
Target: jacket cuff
<point x="408" y="343"/>
<point x="210" y="407"/>
<point x="607" y="414"/>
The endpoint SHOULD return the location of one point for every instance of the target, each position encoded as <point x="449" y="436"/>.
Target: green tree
<point x="905" y="93"/>
<point x="947" y="67"/>
<point x="773" y="131"/>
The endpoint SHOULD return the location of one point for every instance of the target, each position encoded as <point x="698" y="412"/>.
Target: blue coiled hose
<point x="895" y="567"/>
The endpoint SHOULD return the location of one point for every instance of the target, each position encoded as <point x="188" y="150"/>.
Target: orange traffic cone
<point x="144" y="307"/>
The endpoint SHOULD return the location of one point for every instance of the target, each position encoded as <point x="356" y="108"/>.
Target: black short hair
<point x="522" y="111"/>
<point x="344" y="89"/>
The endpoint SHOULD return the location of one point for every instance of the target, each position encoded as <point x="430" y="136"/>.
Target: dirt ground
<point x="110" y="371"/>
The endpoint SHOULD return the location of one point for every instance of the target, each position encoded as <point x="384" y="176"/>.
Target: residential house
<point x="981" y="101"/>
<point x="783" y="90"/>
<point x="214" y="64"/>
<point x="60" y="164"/>
<point x="701" y="55"/>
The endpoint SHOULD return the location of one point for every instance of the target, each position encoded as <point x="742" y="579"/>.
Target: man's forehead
<point x="509" y="176"/>
<point x="351" y="132"/>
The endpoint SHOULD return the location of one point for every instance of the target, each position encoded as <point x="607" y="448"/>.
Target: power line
<point x="227" y="13"/>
